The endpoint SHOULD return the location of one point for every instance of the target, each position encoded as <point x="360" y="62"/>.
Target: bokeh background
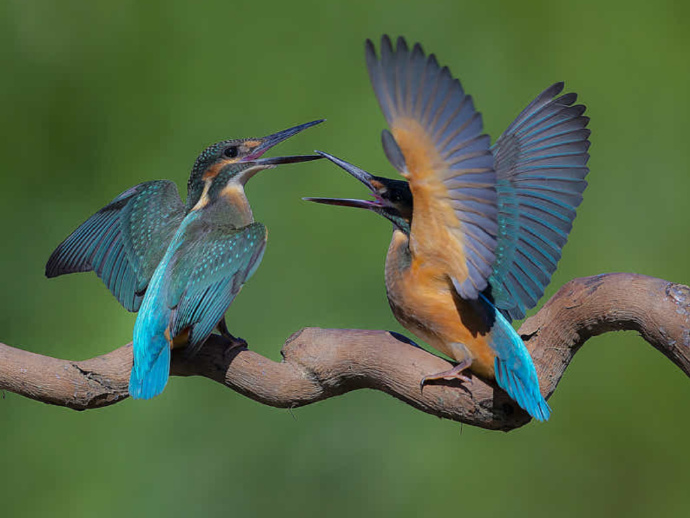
<point x="98" y="96"/>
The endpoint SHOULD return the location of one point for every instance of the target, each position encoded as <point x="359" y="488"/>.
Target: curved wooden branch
<point x="321" y="363"/>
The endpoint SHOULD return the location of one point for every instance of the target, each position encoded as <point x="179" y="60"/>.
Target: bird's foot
<point x="456" y="373"/>
<point x="233" y="341"/>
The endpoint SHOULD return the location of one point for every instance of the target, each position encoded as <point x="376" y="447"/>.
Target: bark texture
<point x="321" y="363"/>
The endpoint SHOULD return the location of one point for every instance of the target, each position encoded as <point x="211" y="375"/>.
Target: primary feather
<point x="540" y="163"/>
<point x="124" y="241"/>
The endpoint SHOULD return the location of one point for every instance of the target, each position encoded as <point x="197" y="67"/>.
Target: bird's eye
<point x="230" y="152"/>
<point x="395" y="197"/>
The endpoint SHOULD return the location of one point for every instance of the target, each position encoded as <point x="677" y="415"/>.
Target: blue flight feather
<point x="540" y="163"/>
<point x="124" y="241"/>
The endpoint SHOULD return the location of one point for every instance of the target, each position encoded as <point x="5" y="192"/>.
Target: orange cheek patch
<point x="212" y="171"/>
<point x="215" y="169"/>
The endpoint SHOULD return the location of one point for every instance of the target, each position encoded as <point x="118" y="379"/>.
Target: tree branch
<point x="322" y="363"/>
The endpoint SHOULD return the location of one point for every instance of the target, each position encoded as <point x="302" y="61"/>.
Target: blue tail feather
<point x="528" y="397"/>
<point x="514" y="368"/>
<point x="145" y="385"/>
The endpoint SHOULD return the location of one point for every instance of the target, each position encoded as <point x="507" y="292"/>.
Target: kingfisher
<point x="179" y="265"/>
<point x="477" y="229"/>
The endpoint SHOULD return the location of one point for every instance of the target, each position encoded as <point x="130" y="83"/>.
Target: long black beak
<point x="277" y="160"/>
<point x="271" y="140"/>
<point x="345" y="202"/>
<point x="355" y="171"/>
<point x="358" y="173"/>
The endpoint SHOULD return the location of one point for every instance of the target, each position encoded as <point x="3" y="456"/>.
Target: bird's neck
<point x="228" y="206"/>
<point x="399" y="257"/>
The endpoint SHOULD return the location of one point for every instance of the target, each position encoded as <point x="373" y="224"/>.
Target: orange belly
<point x="424" y="302"/>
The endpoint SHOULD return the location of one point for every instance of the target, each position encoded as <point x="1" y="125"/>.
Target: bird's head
<point x="392" y="198"/>
<point x="235" y="161"/>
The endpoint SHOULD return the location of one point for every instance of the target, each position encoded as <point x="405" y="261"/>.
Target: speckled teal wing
<point x="124" y="241"/>
<point x="208" y="271"/>
<point x="540" y="163"/>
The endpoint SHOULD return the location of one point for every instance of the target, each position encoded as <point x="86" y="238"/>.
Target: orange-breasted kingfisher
<point x="479" y="229"/>
<point x="179" y="266"/>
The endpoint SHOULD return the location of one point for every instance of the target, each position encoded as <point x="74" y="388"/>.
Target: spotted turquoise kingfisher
<point x="477" y="229"/>
<point x="180" y="266"/>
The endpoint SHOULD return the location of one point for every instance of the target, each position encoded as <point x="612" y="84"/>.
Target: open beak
<point x="276" y="138"/>
<point x="362" y="176"/>
<point x="278" y="160"/>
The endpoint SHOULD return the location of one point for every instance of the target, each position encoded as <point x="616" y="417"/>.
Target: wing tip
<point x="369" y="48"/>
<point x="51" y="270"/>
<point x="556" y="88"/>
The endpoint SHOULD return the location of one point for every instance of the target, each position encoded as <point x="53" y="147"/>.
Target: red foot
<point x="453" y="374"/>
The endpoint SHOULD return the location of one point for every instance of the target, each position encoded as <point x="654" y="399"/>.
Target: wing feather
<point x="446" y="158"/>
<point x="541" y="163"/>
<point x="124" y="241"/>
<point x="208" y="271"/>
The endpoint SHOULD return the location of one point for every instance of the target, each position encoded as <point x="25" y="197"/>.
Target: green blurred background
<point x="98" y="96"/>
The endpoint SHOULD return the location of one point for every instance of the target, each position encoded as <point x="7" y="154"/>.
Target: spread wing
<point x="540" y="163"/>
<point x="437" y="143"/>
<point x="208" y="271"/>
<point x="124" y="241"/>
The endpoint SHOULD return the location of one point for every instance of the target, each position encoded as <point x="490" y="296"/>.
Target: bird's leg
<point x="233" y="340"/>
<point x="456" y="373"/>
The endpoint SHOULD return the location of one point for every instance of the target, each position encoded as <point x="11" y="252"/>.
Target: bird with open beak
<point x="180" y="266"/>
<point x="477" y="229"/>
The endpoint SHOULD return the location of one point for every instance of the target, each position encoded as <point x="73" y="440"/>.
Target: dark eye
<point x="395" y="197"/>
<point x="230" y="152"/>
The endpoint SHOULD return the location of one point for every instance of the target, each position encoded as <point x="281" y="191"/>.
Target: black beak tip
<point x="306" y="125"/>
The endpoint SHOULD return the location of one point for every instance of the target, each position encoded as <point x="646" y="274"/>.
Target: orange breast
<point x="424" y="301"/>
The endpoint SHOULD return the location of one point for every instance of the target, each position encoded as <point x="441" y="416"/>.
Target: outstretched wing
<point x="437" y="143"/>
<point x="208" y="271"/>
<point x="124" y="241"/>
<point x="540" y="162"/>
